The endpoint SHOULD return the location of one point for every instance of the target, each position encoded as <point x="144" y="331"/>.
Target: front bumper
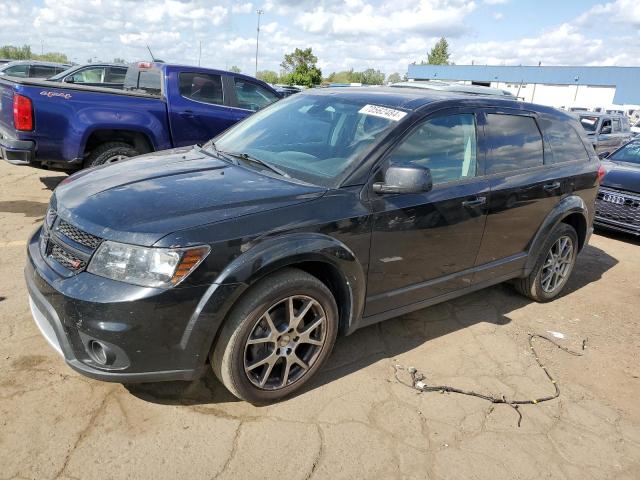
<point x="152" y="335"/>
<point x="622" y="215"/>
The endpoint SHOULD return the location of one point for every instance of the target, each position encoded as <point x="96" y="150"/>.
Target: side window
<point x="566" y="144"/>
<point x="514" y="142"/>
<point x="17" y="71"/>
<point x="116" y="74"/>
<point x="617" y="126"/>
<point x="42" y="71"/>
<point x="89" y="75"/>
<point x="252" y="96"/>
<point x="202" y="87"/>
<point x="446" y="145"/>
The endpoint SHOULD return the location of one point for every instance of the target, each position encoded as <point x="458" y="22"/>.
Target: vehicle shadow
<point x="391" y="338"/>
<point x="51" y="183"/>
<point x="620" y="236"/>
<point x="28" y="208"/>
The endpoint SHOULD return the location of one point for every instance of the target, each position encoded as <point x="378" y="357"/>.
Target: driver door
<point x="425" y="245"/>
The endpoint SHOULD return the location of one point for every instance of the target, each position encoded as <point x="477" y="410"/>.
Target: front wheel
<point x="277" y="337"/>
<point x="553" y="267"/>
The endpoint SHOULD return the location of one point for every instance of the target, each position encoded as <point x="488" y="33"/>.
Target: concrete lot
<point x="355" y="420"/>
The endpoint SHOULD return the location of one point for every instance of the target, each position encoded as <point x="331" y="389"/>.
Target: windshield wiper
<point x="216" y="153"/>
<point x="248" y="158"/>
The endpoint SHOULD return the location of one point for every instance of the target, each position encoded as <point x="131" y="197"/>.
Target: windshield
<point x="589" y="123"/>
<point x="629" y="153"/>
<point x="314" y="138"/>
<point x="63" y="74"/>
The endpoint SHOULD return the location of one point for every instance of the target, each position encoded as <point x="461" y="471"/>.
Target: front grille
<point x="77" y="235"/>
<point x="66" y="248"/>
<point x="626" y="211"/>
<point x="67" y="259"/>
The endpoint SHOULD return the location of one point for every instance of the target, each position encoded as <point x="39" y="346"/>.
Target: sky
<point x="382" y="34"/>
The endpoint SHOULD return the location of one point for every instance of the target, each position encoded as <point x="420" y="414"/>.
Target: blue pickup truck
<point x="161" y="106"/>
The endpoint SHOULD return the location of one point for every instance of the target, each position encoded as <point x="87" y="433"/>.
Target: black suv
<point x="330" y="210"/>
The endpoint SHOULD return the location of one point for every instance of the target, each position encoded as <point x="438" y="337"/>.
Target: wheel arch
<point x="324" y="257"/>
<point x="140" y="141"/>
<point x="571" y="210"/>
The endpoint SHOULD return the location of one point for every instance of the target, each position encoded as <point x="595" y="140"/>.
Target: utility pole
<point x="200" y="53"/>
<point x="259" y="12"/>
<point x="41" y="47"/>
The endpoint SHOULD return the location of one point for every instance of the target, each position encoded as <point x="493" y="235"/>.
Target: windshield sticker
<point x="588" y="121"/>
<point x="383" y="112"/>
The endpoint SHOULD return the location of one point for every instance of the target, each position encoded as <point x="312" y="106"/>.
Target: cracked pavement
<point x="354" y="420"/>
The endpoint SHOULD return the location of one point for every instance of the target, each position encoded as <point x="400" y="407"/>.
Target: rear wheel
<point x="110" y="152"/>
<point x="554" y="266"/>
<point x="277" y="337"/>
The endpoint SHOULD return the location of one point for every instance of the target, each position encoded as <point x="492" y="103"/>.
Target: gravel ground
<point x="355" y="420"/>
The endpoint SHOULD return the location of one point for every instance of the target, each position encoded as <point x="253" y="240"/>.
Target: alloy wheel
<point x="285" y="342"/>
<point x="557" y="265"/>
<point x="115" y="158"/>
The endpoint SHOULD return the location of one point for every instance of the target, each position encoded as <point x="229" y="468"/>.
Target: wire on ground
<point x="419" y="383"/>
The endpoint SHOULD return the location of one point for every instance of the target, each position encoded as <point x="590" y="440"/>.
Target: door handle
<point x="478" y="201"/>
<point x="552" y="186"/>
<point x="187" y="113"/>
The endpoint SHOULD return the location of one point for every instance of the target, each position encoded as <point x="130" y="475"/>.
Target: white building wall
<point x="587" y="96"/>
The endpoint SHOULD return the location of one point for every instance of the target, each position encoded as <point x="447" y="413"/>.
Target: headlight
<point x="146" y="266"/>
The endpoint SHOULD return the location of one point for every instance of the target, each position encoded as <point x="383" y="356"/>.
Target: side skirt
<point x="396" y="312"/>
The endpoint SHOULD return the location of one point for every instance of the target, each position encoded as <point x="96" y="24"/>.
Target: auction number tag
<point x="383" y="112"/>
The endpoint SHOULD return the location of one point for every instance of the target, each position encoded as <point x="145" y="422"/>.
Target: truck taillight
<point x="22" y="113"/>
<point x="145" y="65"/>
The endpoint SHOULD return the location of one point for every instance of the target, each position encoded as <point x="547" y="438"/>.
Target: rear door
<point x="197" y="107"/>
<point x="523" y="189"/>
<point x="424" y="245"/>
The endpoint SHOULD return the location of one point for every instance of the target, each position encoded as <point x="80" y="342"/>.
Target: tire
<point x="109" y="153"/>
<point x="537" y="285"/>
<point x="234" y="360"/>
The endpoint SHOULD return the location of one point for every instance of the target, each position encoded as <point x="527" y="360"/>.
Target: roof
<point x="413" y="98"/>
<point x="624" y="79"/>
<point x="454" y="87"/>
<point x="35" y="62"/>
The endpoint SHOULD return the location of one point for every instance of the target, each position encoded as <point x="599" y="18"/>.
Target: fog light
<point x="100" y="353"/>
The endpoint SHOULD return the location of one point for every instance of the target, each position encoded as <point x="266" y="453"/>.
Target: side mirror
<point x="405" y="180"/>
<point x="606" y="130"/>
<point x="603" y="155"/>
<point x="69" y="80"/>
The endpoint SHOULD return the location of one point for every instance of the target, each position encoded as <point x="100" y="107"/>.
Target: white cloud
<point x="242" y="8"/>
<point x="498" y="16"/>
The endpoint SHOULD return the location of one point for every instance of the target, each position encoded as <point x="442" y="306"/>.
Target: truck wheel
<point x="109" y="153"/>
<point x="277" y="337"/>
<point x="555" y="263"/>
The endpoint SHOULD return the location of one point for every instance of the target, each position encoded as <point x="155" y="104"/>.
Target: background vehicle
<point x="618" y="203"/>
<point x="606" y="131"/>
<point x="160" y="106"/>
<point x="286" y="90"/>
<point x="108" y="75"/>
<point x="635" y="129"/>
<point x="326" y="212"/>
<point x="32" y="69"/>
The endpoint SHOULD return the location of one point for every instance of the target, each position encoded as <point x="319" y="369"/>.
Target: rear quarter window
<point x="514" y="143"/>
<point x="566" y="144"/>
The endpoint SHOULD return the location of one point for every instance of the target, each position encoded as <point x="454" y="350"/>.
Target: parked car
<point x="69" y="126"/>
<point x="635" y="128"/>
<point x="31" y="69"/>
<point x="286" y="90"/>
<point x="328" y="211"/>
<point x="109" y="75"/>
<point x="618" y="202"/>
<point x="454" y="87"/>
<point x="606" y="131"/>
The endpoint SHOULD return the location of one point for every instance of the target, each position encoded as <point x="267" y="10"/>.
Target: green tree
<point x="235" y="69"/>
<point x="52" y="57"/>
<point x="394" y="78"/>
<point x="439" y="54"/>
<point x="299" y="68"/>
<point x="372" y="77"/>
<point x="268" y="76"/>
<point x="11" y="52"/>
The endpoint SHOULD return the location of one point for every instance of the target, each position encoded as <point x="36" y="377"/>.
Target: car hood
<point x="622" y="175"/>
<point x="143" y="199"/>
